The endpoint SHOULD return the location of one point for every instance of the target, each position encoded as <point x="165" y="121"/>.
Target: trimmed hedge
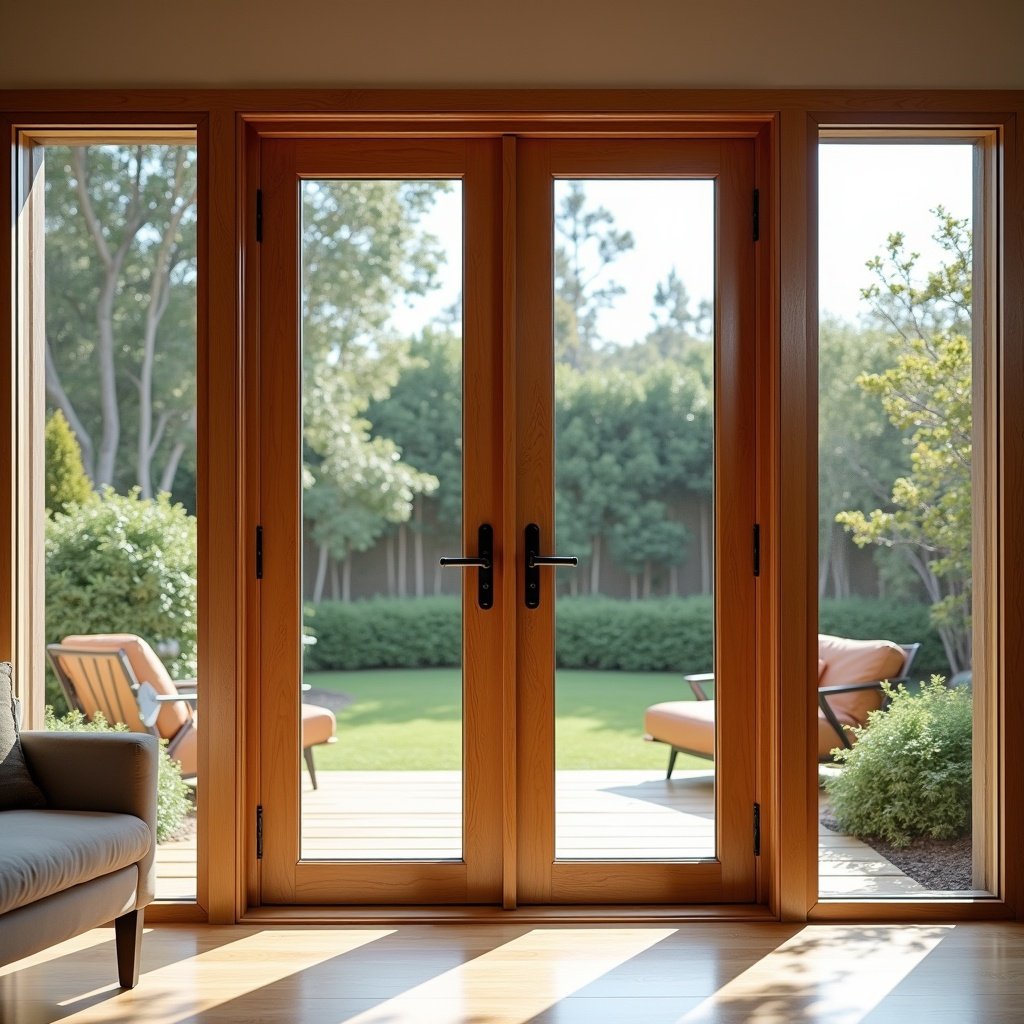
<point x="384" y="632"/>
<point x="670" y="634"/>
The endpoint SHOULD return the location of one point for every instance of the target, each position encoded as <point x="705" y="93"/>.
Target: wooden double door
<point x="505" y="355"/>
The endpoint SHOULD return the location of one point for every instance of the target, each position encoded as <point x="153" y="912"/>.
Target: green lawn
<point x="411" y="719"/>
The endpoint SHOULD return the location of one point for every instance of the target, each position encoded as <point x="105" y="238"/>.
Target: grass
<point x="411" y="719"/>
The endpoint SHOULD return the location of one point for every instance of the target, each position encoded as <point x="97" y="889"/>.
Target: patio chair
<point x="850" y="677"/>
<point x="119" y="675"/>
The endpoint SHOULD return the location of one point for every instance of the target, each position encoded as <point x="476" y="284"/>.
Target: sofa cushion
<point x="16" y="786"/>
<point x="44" y="852"/>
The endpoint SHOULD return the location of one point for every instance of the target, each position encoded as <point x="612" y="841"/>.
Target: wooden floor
<point x="528" y="974"/>
<point x="600" y="814"/>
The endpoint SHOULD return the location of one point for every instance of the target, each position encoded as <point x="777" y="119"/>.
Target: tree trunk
<point x="60" y="398"/>
<point x="673" y="580"/>
<point x="321" y="574"/>
<point x="346" y="578"/>
<point x="840" y="563"/>
<point x="335" y="580"/>
<point x="634" y="586"/>
<point x="159" y="296"/>
<point x="595" y="564"/>
<point x="389" y="557"/>
<point x="648" y="579"/>
<point x="417" y="545"/>
<point x="112" y="263"/>
<point x="403" y="587"/>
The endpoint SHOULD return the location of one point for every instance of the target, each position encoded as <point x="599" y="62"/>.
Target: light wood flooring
<point x="528" y="974"/>
<point x="600" y="814"/>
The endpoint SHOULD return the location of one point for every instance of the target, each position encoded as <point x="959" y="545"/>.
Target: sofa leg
<point x="671" y="763"/>
<point x="128" y="938"/>
<point x="308" y="755"/>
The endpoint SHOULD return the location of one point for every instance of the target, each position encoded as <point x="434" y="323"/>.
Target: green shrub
<point x="385" y="633"/>
<point x="66" y="480"/>
<point x="173" y="794"/>
<point x="909" y="774"/>
<point x="658" y="635"/>
<point x="123" y="564"/>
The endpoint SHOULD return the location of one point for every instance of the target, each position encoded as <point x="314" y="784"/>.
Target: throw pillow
<point x="17" y="790"/>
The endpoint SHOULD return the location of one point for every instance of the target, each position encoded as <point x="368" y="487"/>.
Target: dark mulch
<point x="935" y="863"/>
<point x="330" y="699"/>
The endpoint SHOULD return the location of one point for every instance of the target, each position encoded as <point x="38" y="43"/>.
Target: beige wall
<point x="520" y="43"/>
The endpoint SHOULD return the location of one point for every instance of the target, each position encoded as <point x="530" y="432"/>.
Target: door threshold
<point x="564" y="914"/>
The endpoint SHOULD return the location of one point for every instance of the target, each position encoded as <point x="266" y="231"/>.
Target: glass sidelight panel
<point x="382" y="702"/>
<point x="634" y="326"/>
<point x="117" y="261"/>
<point x="903" y="530"/>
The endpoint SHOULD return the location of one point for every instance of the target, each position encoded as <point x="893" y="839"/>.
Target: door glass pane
<point x="902" y="811"/>
<point x="634" y="385"/>
<point x="381" y="693"/>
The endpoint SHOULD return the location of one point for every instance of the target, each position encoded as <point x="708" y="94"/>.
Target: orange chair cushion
<point x="855" y="661"/>
<point x="687" y="724"/>
<point x="317" y="725"/>
<point x="147" y="668"/>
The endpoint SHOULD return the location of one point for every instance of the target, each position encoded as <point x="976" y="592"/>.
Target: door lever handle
<point x="534" y="560"/>
<point x="484" y="561"/>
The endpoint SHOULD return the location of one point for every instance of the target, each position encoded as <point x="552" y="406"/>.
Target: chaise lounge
<point x="850" y="676"/>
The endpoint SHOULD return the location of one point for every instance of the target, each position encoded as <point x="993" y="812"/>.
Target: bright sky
<point x="866" y="191"/>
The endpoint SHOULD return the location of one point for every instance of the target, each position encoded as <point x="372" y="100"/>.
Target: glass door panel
<point x="381" y="713"/>
<point x="633" y="298"/>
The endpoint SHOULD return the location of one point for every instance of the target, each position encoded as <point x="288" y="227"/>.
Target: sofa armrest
<point x="112" y="771"/>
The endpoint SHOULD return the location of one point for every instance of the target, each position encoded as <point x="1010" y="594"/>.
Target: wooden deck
<point x="626" y="815"/>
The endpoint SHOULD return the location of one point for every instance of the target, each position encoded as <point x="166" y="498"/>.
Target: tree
<point x="927" y="392"/>
<point x="120" y="321"/>
<point x="66" y="480"/>
<point x="423" y="416"/>
<point x="860" y="454"/>
<point x="587" y="243"/>
<point x="362" y="250"/>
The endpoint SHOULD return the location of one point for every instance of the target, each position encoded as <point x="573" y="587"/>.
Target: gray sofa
<point x="87" y="858"/>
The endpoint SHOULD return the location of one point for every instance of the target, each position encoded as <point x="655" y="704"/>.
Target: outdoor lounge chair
<point x="850" y="677"/>
<point x="119" y="675"/>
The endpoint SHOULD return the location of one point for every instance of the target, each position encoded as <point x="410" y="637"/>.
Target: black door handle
<point x="484" y="561"/>
<point x="534" y="560"/>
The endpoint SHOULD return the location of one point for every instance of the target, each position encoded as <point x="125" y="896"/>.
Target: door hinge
<point x="259" y="552"/>
<point x="259" y="832"/>
<point x="757" y="215"/>
<point x="757" y="830"/>
<point x="259" y="215"/>
<point x="757" y="549"/>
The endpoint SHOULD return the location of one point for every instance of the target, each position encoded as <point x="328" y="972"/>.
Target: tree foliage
<point x="587" y="243"/>
<point x="926" y="392"/>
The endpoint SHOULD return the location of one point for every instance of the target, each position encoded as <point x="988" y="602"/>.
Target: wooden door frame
<point x="729" y="876"/>
<point x="285" y="876"/>
<point x="786" y="123"/>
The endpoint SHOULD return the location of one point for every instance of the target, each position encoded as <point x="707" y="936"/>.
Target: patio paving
<point x="600" y="815"/>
